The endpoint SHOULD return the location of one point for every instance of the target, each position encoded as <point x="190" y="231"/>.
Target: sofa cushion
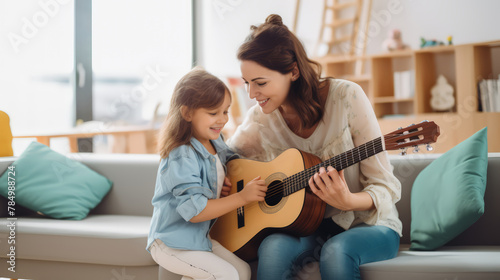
<point x="448" y="195"/>
<point x="51" y="183"/>
<point x="99" y="239"/>
<point x="450" y="262"/>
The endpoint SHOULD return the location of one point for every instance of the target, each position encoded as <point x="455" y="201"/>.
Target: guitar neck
<point x="300" y="180"/>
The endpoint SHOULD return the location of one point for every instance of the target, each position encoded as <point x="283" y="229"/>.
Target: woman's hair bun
<point x="274" y="19"/>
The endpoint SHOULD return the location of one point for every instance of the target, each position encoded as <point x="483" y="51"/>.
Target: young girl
<point x="189" y="183"/>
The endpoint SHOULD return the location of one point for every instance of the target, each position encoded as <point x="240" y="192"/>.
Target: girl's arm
<point x="255" y="190"/>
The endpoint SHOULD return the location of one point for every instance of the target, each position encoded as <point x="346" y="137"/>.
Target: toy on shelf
<point x="394" y="41"/>
<point x="450" y="40"/>
<point x="433" y="42"/>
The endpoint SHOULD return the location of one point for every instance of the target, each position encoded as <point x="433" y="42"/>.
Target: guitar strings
<point x="300" y="179"/>
<point x="296" y="182"/>
<point x="279" y="191"/>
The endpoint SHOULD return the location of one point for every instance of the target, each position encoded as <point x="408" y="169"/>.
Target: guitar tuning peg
<point x="403" y="151"/>
<point x="429" y="147"/>
<point x="400" y="127"/>
<point x="416" y="149"/>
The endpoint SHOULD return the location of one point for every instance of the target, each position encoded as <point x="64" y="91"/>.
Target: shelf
<point x="392" y="83"/>
<point x="356" y="79"/>
<point x="351" y="68"/>
<point x="487" y="64"/>
<point x="389" y="99"/>
<point x="401" y="53"/>
<point x="436" y="49"/>
<point x="429" y="65"/>
<point x="462" y="65"/>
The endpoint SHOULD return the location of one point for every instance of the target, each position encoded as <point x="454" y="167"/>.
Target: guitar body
<point x="300" y="213"/>
<point x="289" y="204"/>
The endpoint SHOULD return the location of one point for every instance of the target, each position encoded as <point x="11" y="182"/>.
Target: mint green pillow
<point x="448" y="195"/>
<point x="53" y="184"/>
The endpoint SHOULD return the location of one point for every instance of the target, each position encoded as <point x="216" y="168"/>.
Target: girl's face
<point x="207" y="124"/>
<point x="269" y="88"/>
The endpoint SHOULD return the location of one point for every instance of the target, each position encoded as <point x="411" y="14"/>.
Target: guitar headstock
<point x="414" y="135"/>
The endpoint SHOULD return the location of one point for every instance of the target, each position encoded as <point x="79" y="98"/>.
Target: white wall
<point x="226" y="23"/>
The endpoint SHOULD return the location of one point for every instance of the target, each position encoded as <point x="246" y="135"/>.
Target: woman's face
<point x="268" y="87"/>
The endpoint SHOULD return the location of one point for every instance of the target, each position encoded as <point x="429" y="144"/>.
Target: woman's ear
<point x="186" y="113"/>
<point x="295" y="72"/>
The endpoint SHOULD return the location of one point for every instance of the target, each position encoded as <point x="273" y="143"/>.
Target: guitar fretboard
<point x="300" y="180"/>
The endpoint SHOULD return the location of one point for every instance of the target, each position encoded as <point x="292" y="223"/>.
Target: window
<point x="36" y="54"/>
<point x="140" y="49"/>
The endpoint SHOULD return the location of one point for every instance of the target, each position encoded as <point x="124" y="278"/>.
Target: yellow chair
<point x="5" y="136"/>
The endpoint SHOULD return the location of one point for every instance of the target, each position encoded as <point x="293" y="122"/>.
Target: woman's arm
<point x="376" y="174"/>
<point x="381" y="188"/>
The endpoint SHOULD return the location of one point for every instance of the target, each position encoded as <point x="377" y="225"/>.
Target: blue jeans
<point x="339" y="252"/>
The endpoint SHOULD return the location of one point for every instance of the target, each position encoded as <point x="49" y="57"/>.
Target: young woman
<point x="323" y="116"/>
<point x="189" y="183"/>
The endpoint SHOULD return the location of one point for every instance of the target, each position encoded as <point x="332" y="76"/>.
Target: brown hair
<point x="275" y="47"/>
<point x="197" y="89"/>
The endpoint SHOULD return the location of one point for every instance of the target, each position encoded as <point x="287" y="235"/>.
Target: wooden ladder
<point x="343" y="26"/>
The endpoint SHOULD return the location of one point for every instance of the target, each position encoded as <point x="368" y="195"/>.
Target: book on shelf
<point x="489" y="95"/>
<point x="403" y="84"/>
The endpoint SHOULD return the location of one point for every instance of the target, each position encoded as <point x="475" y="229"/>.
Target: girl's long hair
<point x="275" y="47"/>
<point x="197" y="89"/>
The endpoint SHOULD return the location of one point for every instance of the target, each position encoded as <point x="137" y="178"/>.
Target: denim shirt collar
<point x="218" y="144"/>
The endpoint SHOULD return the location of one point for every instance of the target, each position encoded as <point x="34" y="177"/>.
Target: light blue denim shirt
<point x="186" y="180"/>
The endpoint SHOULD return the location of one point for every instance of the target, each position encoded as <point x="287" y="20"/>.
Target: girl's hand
<point x="331" y="187"/>
<point x="254" y="190"/>
<point x="226" y="187"/>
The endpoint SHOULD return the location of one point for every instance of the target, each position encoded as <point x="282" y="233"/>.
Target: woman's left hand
<point x="331" y="187"/>
<point x="226" y="187"/>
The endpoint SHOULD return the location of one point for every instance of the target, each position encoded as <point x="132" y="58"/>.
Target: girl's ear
<point x="295" y="72"/>
<point x="186" y="113"/>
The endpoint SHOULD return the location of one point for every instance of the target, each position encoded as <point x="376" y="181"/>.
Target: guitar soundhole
<point x="274" y="193"/>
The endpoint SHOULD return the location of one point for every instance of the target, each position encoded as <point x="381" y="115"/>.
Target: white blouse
<point x="221" y="175"/>
<point x="348" y="122"/>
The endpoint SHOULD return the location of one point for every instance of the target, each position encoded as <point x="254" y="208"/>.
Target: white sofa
<point x="110" y="242"/>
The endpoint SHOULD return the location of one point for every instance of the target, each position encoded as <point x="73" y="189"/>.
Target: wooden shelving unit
<point x="352" y="68"/>
<point x="429" y="64"/>
<point x="384" y="95"/>
<point x="462" y="65"/>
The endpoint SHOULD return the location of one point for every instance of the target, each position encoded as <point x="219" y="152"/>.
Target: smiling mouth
<point x="263" y="102"/>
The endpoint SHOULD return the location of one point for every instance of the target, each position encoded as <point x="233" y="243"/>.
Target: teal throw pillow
<point x="448" y="195"/>
<point x="53" y="184"/>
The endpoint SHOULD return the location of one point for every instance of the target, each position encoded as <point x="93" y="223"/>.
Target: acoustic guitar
<point x="289" y="205"/>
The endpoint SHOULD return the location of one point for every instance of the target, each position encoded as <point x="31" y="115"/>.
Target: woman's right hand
<point x="254" y="190"/>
